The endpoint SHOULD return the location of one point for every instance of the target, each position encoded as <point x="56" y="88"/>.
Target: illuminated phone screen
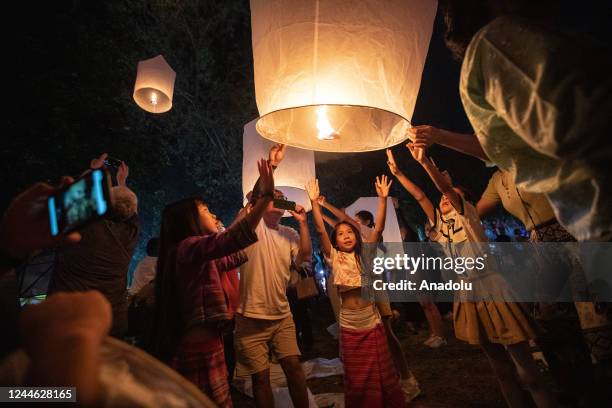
<point x="82" y="201"/>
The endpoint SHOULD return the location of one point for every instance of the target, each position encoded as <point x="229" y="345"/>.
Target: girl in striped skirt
<point x="370" y="377"/>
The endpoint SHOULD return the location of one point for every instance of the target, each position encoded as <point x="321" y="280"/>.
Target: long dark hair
<point x="180" y="220"/>
<point x="464" y="18"/>
<point x="358" y="244"/>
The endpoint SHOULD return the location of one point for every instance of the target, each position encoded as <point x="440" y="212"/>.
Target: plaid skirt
<point x="370" y="377"/>
<point x="203" y="363"/>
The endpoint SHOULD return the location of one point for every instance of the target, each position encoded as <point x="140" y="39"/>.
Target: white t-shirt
<point x="459" y="227"/>
<point x="366" y="233"/>
<point x="144" y="273"/>
<point x="461" y="233"/>
<point x="346" y="269"/>
<point x="265" y="276"/>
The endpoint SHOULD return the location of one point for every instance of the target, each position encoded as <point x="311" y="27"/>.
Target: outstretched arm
<point x="439" y="179"/>
<point x="239" y="235"/>
<point x="275" y="156"/>
<point x="490" y="198"/>
<point x="330" y="221"/>
<point x="382" y="189"/>
<point x="305" y="251"/>
<point x="414" y="190"/>
<point x="122" y="174"/>
<point x="312" y="188"/>
<point x="338" y="213"/>
<point x="485" y="207"/>
<point x="424" y="136"/>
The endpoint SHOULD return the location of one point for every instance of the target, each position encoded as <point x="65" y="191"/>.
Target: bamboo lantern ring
<point x="154" y="85"/>
<point x="339" y="75"/>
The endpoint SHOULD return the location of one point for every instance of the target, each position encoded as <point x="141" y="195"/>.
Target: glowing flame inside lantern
<point x="326" y="131"/>
<point x="153" y="98"/>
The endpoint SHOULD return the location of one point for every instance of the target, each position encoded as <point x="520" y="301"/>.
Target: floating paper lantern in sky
<point x="296" y="169"/>
<point x="154" y="85"/>
<point x="339" y="75"/>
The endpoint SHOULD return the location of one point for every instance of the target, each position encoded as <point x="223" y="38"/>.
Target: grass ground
<point x="457" y="375"/>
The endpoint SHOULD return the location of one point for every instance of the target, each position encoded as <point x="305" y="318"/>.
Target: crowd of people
<point x="218" y="297"/>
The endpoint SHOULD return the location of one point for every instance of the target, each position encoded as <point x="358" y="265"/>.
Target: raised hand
<point x="122" y="174"/>
<point x="312" y="188"/>
<point x="277" y="154"/>
<point x="98" y="162"/>
<point x="299" y="214"/>
<point x="447" y="176"/>
<point x="391" y="163"/>
<point x="418" y="153"/>
<point x="424" y="136"/>
<point x="383" y="184"/>
<point x="266" y="177"/>
<point x="321" y="200"/>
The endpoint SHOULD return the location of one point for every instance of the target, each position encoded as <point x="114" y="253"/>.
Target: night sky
<point x="71" y="70"/>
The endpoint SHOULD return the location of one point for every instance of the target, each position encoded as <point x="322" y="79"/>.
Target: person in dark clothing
<point x="501" y="235"/>
<point x="300" y="311"/>
<point x="101" y="259"/>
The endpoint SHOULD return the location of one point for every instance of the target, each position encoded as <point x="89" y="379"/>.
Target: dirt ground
<point x="457" y="375"/>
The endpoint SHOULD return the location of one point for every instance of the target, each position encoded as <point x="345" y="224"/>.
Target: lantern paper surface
<point x="392" y="231"/>
<point x="154" y="85"/>
<point x="339" y="75"/>
<point x="296" y="169"/>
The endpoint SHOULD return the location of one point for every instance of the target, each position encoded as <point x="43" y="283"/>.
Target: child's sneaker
<point x="411" y="389"/>
<point x="429" y="340"/>
<point x="437" y="342"/>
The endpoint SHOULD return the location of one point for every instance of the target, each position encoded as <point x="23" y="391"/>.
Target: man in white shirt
<point x="146" y="268"/>
<point x="263" y="319"/>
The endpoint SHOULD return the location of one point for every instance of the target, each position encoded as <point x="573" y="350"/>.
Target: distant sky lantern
<point x="339" y="75"/>
<point x="296" y="169"/>
<point x="154" y="85"/>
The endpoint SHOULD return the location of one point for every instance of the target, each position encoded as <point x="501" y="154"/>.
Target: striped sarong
<point x="370" y="377"/>
<point x="203" y="363"/>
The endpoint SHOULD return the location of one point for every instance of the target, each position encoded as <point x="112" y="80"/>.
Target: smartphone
<point x="284" y="204"/>
<point x="112" y="162"/>
<point x="85" y="200"/>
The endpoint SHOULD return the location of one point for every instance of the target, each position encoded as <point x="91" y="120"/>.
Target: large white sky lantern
<point x="339" y="75"/>
<point x="392" y="232"/>
<point x="154" y="85"/>
<point x="296" y="169"/>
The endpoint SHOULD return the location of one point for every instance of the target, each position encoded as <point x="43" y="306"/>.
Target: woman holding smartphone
<point x="195" y="287"/>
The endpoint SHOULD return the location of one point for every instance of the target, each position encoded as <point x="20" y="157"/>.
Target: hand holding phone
<point x="284" y="204"/>
<point x="112" y="162"/>
<point x="83" y="201"/>
<point x="25" y="225"/>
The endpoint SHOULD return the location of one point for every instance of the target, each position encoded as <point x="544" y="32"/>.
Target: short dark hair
<point x="366" y="216"/>
<point x="464" y="18"/>
<point x="153" y="247"/>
